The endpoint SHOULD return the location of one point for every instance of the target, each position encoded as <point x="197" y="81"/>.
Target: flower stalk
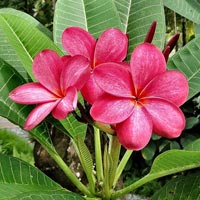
<point x="98" y="155"/>
<point x="122" y="165"/>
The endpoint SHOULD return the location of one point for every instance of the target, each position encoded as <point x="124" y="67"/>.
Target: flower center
<point x="137" y="98"/>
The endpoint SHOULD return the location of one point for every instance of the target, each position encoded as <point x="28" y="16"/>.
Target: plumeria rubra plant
<point x="106" y="72"/>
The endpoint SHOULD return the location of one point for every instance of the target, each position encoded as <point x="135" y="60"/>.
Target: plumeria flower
<point x="59" y="78"/>
<point x="142" y="100"/>
<point x="111" y="46"/>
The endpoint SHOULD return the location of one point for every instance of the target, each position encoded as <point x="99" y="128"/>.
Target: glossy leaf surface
<point x="187" y="60"/>
<point x="20" y="180"/>
<point x="184" y="187"/>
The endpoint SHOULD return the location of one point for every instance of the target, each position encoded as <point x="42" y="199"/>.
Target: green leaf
<point x="149" y="151"/>
<point x="50" y="195"/>
<point x="187" y="60"/>
<point x="74" y="127"/>
<point x="6" y="48"/>
<point x="136" y="18"/>
<point x="25" y="39"/>
<point x="184" y="187"/>
<point x="123" y="8"/>
<point x="191" y="122"/>
<point x="29" y="19"/>
<point x="93" y="16"/>
<point x="197" y="30"/>
<point x="86" y="161"/>
<point x="193" y="146"/>
<point x="186" y="8"/>
<point x="174" y="161"/>
<point x="20" y="180"/>
<point x="167" y="163"/>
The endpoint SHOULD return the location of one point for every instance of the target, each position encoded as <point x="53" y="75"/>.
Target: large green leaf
<point x="74" y="127"/>
<point x="184" y="187"/>
<point x="136" y="18"/>
<point x="31" y="20"/>
<point x="6" y="49"/>
<point x="187" y="8"/>
<point x="169" y="162"/>
<point x="93" y="16"/>
<point x="123" y="8"/>
<point x="19" y="180"/>
<point x="25" y="39"/>
<point x="187" y="60"/>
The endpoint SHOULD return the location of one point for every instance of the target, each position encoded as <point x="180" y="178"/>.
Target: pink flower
<point x="59" y="79"/>
<point x="110" y="47"/>
<point x="143" y="100"/>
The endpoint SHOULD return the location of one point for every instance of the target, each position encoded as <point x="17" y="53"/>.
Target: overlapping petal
<point x="31" y="93"/>
<point x="111" y="109"/>
<point x="91" y="91"/>
<point x="47" y="67"/>
<point x="114" y="79"/>
<point x="66" y="104"/>
<point x="111" y="47"/>
<point x="168" y="119"/>
<point x="75" y="73"/>
<point x="170" y="85"/>
<point x="38" y="114"/>
<point x="135" y="132"/>
<point x="147" y="61"/>
<point x="77" y="41"/>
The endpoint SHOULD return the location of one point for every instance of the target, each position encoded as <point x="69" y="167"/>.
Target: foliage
<point x="23" y="37"/>
<point x="15" y="145"/>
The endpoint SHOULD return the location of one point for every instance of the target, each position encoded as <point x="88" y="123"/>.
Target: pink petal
<point x="168" y="119"/>
<point x="77" y="41"/>
<point x="114" y="79"/>
<point x="65" y="59"/>
<point x="31" y="93"/>
<point x="110" y="109"/>
<point x="111" y="46"/>
<point x="91" y="91"/>
<point x="170" y="85"/>
<point x="147" y="61"/>
<point x="47" y="67"/>
<point x="135" y="132"/>
<point x="75" y="73"/>
<point x="66" y="105"/>
<point x="38" y="114"/>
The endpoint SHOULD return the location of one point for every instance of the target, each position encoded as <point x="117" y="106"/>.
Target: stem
<point x="106" y="161"/>
<point x="114" y="154"/>
<point x="121" y="166"/>
<point x="67" y="170"/>
<point x="133" y="186"/>
<point x="98" y="155"/>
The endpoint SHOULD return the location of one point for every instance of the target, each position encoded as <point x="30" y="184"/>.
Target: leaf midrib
<point x="14" y="33"/>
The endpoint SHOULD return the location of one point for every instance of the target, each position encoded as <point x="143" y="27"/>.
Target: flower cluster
<point x="136" y="99"/>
